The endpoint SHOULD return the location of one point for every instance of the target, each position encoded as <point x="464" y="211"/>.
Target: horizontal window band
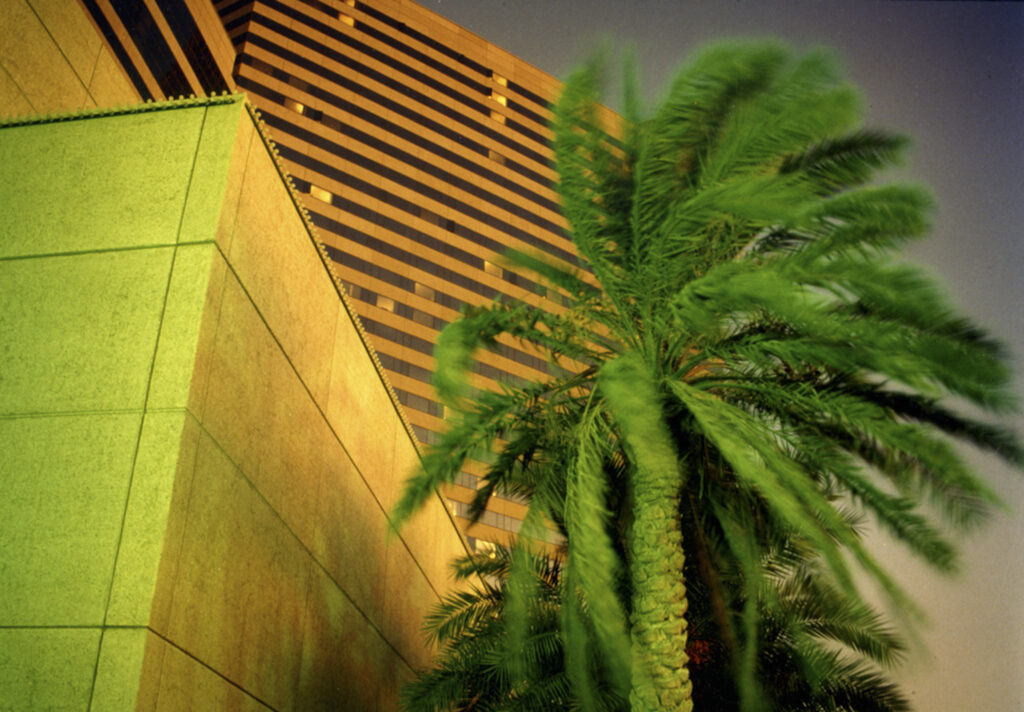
<point x="449" y="52"/>
<point x="424" y="405"/>
<point x="350" y="131"/>
<point x="475" y="105"/>
<point x="197" y="53"/>
<point x="352" y="262"/>
<point x="423" y="346"/>
<point x="395" y="43"/>
<point x="398" y="107"/>
<point x="385" y="247"/>
<point x="347" y="179"/>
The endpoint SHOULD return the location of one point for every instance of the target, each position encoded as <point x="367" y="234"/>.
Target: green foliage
<point x="742" y="348"/>
<point x="822" y="653"/>
<point x="475" y="670"/>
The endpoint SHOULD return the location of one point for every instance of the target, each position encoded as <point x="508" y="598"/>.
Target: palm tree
<point x="475" y="669"/>
<point x="739" y="338"/>
<point x="825" y="639"/>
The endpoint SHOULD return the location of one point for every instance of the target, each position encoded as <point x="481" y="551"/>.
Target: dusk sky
<point x="951" y="76"/>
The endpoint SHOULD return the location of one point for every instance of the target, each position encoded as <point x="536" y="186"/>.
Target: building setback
<point x="421" y="152"/>
<point x="424" y="153"/>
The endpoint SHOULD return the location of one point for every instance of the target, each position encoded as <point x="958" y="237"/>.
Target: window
<point x="424" y="291"/>
<point x="320" y="194"/>
<point x="498" y="79"/>
<point x="295" y="106"/>
<point x="497" y="116"/>
<point x="467" y="480"/>
<point x="495" y="156"/>
<point x="491" y="268"/>
<point x="500" y="98"/>
<point x="347" y="19"/>
<point x="386" y="303"/>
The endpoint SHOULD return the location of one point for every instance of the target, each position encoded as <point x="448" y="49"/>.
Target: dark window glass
<point x="119" y="51"/>
<point x="358" y="69"/>
<point x="143" y="30"/>
<point x="193" y="45"/>
<point x="402" y="179"/>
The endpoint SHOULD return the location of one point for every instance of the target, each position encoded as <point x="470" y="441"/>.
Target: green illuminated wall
<point x="196" y="450"/>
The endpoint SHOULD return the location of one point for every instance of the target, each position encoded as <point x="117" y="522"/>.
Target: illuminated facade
<point x="421" y="148"/>
<point x="424" y="152"/>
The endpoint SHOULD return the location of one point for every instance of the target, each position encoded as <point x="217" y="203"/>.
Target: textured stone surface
<point x="28" y="54"/>
<point x="79" y="332"/>
<point x="240" y="589"/>
<point x="119" y="669"/>
<point x="341" y="651"/>
<point x="184" y="683"/>
<point x="65" y="482"/>
<point x="300" y="311"/>
<point x="12" y="101"/>
<point x="259" y="413"/>
<point x="180" y="325"/>
<point x="351" y="540"/>
<point x="113" y="182"/>
<point x="47" y="668"/>
<point x="145" y="521"/>
<point x="356" y="399"/>
<point x="109" y="85"/>
<point x="72" y="32"/>
<point x="205" y="452"/>
<point x="208" y="180"/>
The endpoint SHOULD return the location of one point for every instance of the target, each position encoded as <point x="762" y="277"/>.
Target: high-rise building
<point x="422" y="151"/>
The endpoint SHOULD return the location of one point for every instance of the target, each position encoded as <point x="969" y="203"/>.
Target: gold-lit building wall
<point x="167" y="48"/>
<point x="424" y="152"/>
<point x="200" y="451"/>
<point x="52" y="59"/>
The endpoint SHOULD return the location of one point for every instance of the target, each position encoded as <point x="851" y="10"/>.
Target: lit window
<point x="424" y="291"/>
<point x="491" y="268"/>
<point x="495" y="156"/>
<point x="320" y="194"/>
<point x="499" y="79"/>
<point x="497" y="116"/>
<point x="347" y="19"/>
<point x="294" y="106"/>
<point x="386" y="303"/>
<point x="350" y="3"/>
<point x="500" y="98"/>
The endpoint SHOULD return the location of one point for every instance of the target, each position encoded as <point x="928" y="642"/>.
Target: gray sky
<point x="950" y="75"/>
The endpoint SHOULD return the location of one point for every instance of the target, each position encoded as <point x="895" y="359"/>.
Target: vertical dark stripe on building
<point x="119" y="51"/>
<point x="193" y="44"/>
<point x="153" y="47"/>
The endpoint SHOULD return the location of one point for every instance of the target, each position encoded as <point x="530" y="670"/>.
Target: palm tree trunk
<point x="661" y="679"/>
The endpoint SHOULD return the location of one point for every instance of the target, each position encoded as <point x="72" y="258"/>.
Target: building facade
<point x="421" y="150"/>
<point x="424" y="153"/>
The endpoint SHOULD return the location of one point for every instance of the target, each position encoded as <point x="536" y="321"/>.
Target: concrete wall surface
<point x="53" y="59"/>
<point x="196" y="447"/>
